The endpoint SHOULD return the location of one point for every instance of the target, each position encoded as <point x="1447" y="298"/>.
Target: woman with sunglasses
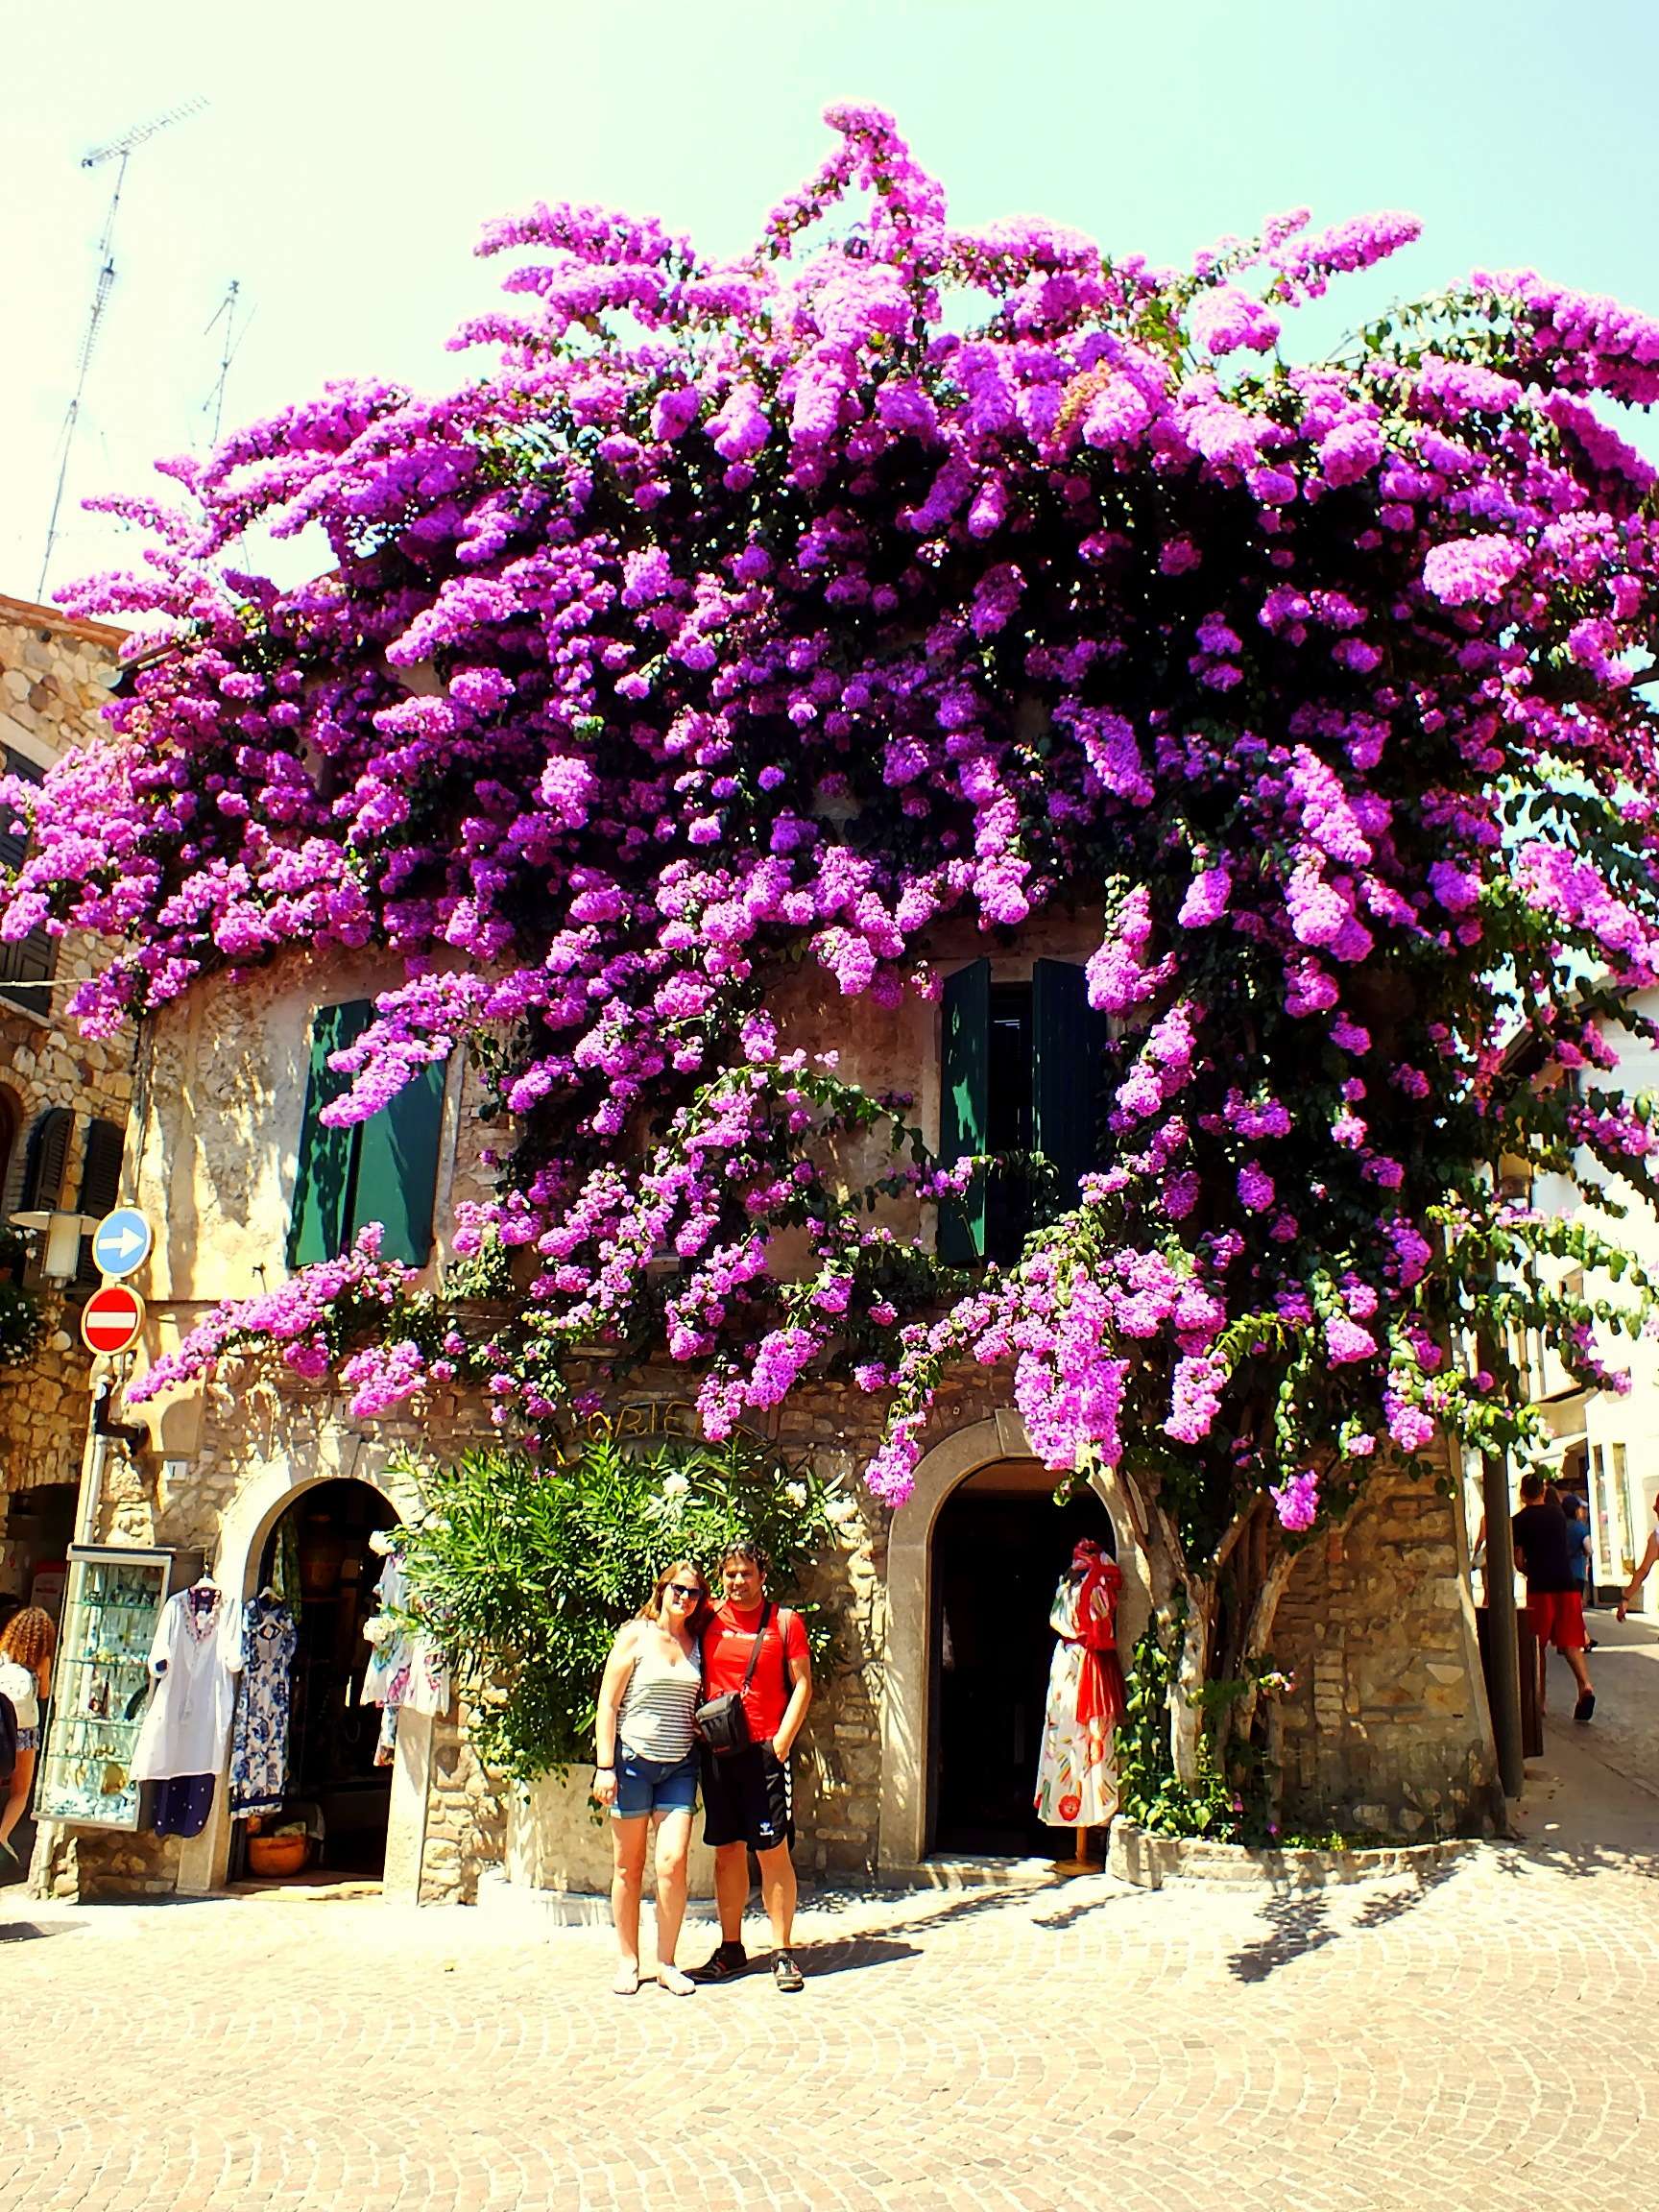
<point x="647" y="1770"/>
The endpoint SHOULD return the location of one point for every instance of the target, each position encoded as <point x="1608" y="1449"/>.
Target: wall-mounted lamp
<point x="60" y="1234"/>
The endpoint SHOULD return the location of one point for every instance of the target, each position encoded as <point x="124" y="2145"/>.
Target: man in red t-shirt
<point x="747" y="1803"/>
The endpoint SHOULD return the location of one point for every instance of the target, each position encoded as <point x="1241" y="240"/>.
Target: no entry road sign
<point x="121" y="1241"/>
<point x="111" y="1319"/>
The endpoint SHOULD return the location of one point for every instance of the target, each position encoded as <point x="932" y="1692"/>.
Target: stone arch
<point x="906" y="1688"/>
<point x="252" y="1512"/>
<point x="260" y="1503"/>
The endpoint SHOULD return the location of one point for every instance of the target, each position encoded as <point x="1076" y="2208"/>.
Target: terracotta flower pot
<point x="272" y="1856"/>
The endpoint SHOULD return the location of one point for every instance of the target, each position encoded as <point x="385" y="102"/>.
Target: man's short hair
<point x="745" y="1547"/>
<point x="1531" y="1487"/>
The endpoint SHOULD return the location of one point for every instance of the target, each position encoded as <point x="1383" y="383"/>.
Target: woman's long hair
<point x="704" y="1613"/>
<point x="28" y="1638"/>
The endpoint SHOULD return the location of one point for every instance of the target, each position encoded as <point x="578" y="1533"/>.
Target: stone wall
<point x="53" y="678"/>
<point x="468" y="1815"/>
<point x="1388" y="1727"/>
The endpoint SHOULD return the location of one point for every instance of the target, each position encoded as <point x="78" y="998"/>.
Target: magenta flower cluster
<point x="887" y="576"/>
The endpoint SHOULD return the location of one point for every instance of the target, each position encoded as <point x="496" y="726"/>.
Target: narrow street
<point x="1484" y="2038"/>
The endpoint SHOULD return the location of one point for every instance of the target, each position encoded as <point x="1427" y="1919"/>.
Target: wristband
<point x="605" y="1766"/>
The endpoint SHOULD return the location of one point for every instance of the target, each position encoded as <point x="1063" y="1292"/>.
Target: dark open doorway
<point x="1000" y="1547"/>
<point x="319" y="1559"/>
<point x="38" y="1528"/>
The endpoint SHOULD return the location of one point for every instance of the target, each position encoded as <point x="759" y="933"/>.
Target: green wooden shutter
<point x="964" y="1106"/>
<point x="1066" y="1040"/>
<point x="46" y="1158"/>
<point x="397" y="1169"/>
<point x="318" y="1228"/>
<point x="99" y="1189"/>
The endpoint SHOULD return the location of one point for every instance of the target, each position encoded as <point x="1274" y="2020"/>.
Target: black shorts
<point x="747" y="1799"/>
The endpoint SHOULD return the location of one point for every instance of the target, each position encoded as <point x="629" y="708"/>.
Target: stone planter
<point x="1151" y="1861"/>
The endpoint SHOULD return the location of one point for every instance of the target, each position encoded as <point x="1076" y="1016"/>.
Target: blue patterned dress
<point x="259" y="1741"/>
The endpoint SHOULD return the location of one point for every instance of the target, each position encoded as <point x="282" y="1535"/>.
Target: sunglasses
<point x="685" y="1590"/>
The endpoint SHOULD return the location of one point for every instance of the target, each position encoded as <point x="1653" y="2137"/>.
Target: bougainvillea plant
<point x="895" y="575"/>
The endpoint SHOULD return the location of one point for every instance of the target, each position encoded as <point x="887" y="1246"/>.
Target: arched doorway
<point x="318" y="1557"/>
<point x="1001" y="1544"/>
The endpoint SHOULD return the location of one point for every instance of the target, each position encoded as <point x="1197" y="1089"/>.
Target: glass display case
<point x="100" y="1681"/>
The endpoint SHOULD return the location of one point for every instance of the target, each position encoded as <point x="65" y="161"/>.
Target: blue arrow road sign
<point x="121" y="1241"/>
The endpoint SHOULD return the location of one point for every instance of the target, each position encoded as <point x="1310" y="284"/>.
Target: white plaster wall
<point x="1620" y="1431"/>
<point x="554" y="1842"/>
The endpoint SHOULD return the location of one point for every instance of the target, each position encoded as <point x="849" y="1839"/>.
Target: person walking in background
<point x="1553" y="1605"/>
<point x="1650" y="1560"/>
<point x="27" y="1643"/>
<point x="647" y="1769"/>
<point x="757" y="1652"/>
<point x="1578" y="1553"/>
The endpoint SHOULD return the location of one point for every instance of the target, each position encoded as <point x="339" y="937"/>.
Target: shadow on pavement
<point x="29" y="1931"/>
<point x="1391" y="1905"/>
<point x="1301" y="1925"/>
<point x="1297" y="1925"/>
<point x="1069" y="1916"/>
<point x="912" y="1909"/>
<point x="852" y="1953"/>
<point x="1562" y="1845"/>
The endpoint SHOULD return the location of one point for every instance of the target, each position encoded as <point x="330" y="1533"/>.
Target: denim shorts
<point x="653" y="1785"/>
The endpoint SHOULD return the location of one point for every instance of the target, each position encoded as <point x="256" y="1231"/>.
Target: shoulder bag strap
<point x="760" y="1639"/>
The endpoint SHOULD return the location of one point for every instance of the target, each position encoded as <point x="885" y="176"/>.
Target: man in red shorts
<point x="1553" y="1605"/>
<point x="747" y="1803"/>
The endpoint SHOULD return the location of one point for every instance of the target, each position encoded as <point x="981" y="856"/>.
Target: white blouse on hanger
<point x="193" y="1660"/>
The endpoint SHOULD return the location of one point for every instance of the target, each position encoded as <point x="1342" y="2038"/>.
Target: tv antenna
<point x="228" y="308"/>
<point x="120" y="150"/>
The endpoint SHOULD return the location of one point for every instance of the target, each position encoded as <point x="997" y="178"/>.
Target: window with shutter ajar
<point x="1021" y="1080"/>
<point x="384" y="1169"/>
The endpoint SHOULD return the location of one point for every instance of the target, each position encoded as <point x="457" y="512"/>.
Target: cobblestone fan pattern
<point x="1484" y="2036"/>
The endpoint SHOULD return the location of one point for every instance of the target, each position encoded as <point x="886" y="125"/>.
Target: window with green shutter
<point x="1020" y="1077"/>
<point x="384" y="1169"/>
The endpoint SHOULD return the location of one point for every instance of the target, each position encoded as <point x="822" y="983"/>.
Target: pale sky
<point x="349" y="153"/>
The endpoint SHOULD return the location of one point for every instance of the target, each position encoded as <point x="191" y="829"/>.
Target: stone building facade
<point x="1388" y="1719"/>
<point x="63" y="1101"/>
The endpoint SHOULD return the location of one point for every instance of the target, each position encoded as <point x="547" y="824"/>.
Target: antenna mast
<point x="228" y="309"/>
<point x="120" y="150"/>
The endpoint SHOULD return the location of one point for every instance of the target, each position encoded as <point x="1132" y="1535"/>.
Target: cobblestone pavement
<point x="1481" y="2037"/>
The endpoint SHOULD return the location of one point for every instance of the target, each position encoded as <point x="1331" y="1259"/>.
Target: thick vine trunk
<point x="1241" y="1718"/>
<point x="1192" y="1672"/>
